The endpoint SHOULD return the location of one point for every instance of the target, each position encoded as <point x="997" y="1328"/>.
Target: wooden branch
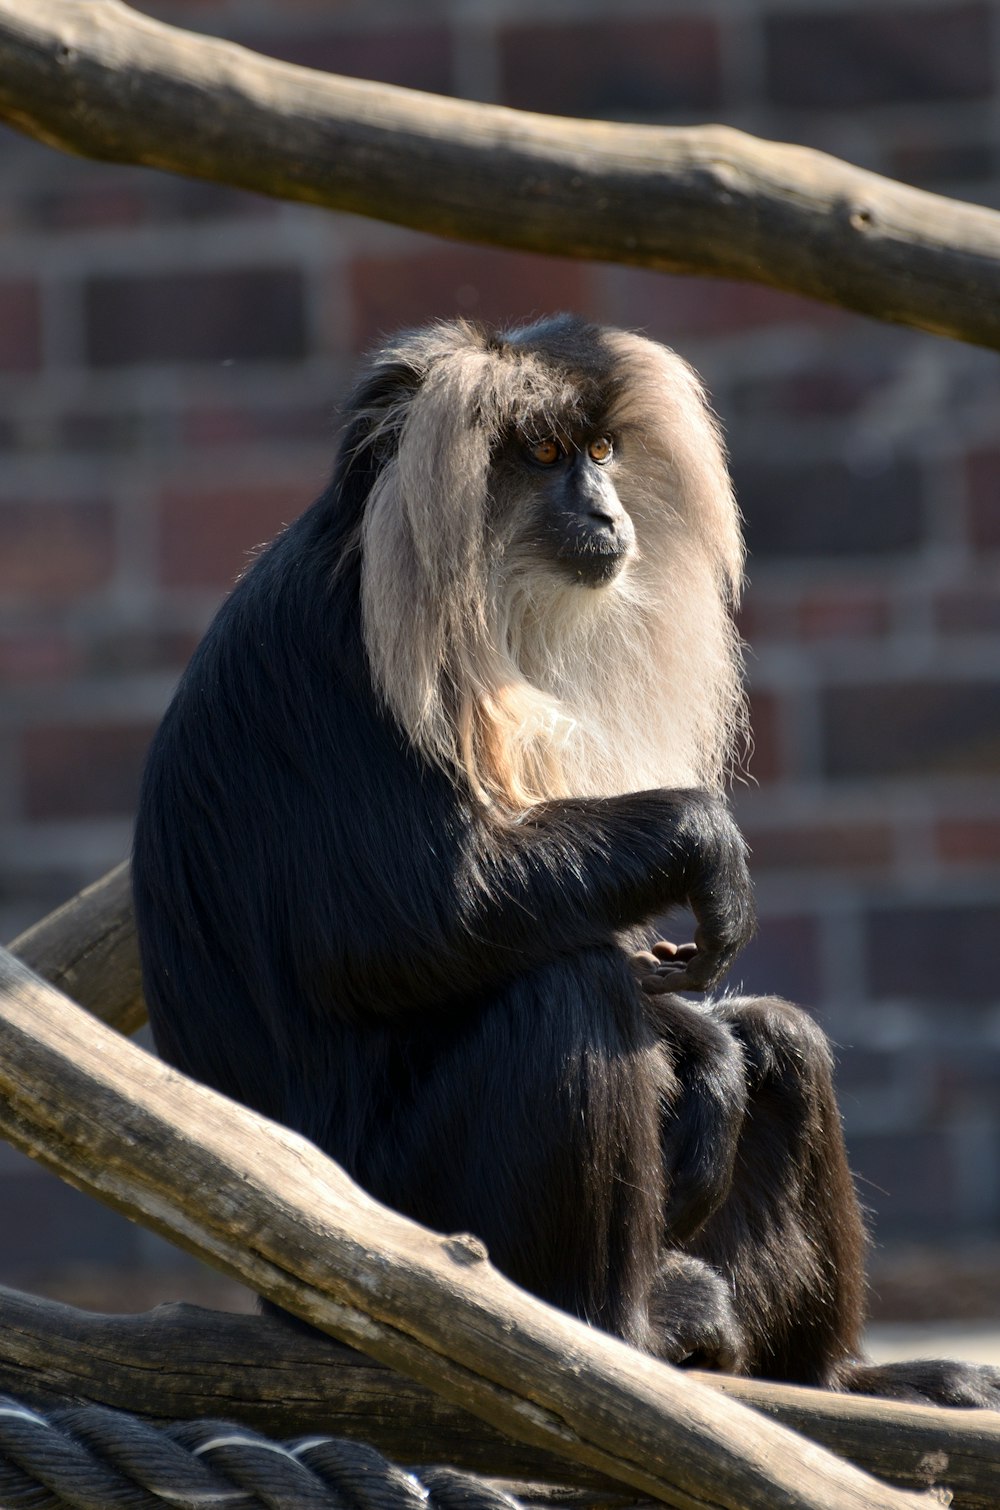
<point x="255" y="1370"/>
<point x="88" y="949"/>
<point x="88" y="945"/>
<point x="96" y="78"/>
<point x="282" y="1382"/>
<point x="266" y="1206"/>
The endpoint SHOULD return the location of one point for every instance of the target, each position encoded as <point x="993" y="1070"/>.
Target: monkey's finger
<point x="702" y="969"/>
<point x="665" y="950"/>
<point x="665" y="979"/>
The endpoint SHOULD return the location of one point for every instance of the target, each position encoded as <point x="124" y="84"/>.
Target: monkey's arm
<point x="621" y="860"/>
<point x="570" y="875"/>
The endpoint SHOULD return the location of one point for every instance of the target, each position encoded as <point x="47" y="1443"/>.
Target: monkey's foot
<point x="927" y="1381"/>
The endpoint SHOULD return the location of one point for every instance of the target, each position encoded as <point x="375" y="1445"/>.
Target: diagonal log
<point x="265" y="1206"/>
<point x="283" y="1382"/>
<point x="88" y="948"/>
<point x="96" y="78"/>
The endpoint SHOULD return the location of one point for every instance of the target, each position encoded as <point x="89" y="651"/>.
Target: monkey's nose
<point x="607" y="516"/>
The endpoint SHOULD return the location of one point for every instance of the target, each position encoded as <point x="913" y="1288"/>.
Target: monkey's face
<point x="564" y="506"/>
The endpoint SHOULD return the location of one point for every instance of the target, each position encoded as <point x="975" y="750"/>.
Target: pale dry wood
<point x="263" y="1204"/>
<point x="88" y="946"/>
<point x="283" y="1382"/>
<point x="88" y="949"/>
<point x="96" y="78"/>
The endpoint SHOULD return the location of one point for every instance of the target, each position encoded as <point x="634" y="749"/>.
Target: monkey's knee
<point x="780" y="1040"/>
<point x="704" y="1101"/>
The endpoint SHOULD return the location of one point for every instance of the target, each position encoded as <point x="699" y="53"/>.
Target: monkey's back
<point x="276" y="807"/>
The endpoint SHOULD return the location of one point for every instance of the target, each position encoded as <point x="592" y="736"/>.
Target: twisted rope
<point x="88" y="1457"/>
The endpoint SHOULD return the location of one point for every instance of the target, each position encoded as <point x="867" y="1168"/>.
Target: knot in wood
<point x="466" y="1249"/>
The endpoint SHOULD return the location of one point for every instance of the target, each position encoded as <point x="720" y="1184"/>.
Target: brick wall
<point x="170" y="355"/>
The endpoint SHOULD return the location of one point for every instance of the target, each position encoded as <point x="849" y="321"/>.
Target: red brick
<point x="207" y="534"/>
<point x="913" y="728"/>
<point x="766" y="763"/>
<point x="46" y="1220"/>
<point x="879" y="55"/>
<point x="815" y="391"/>
<point x="612" y="67"/>
<point x="783" y="958"/>
<point x="82" y="772"/>
<point x="866" y="1071"/>
<point x="906" y="1179"/>
<point x="417" y="57"/>
<point x="173" y="199"/>
<point x="81" y="206"/>
<point x="922" y="1281"/>
<point x="115" y="651"/>
<point x="766" y="615"/>
<point x="117" y="429"/>
<point x="934" y="953"/>
<point x="55" y="550"/>
<point x="972" y="609"/>
<point x="245" y="314"/>
<point x="964" y="1078"/>
<point x="823" y="508"/>
<point x="228" y="424"/>
<point x="20" y="326"/>
<point x="674" y="309"/>
<point x="932" y="164"/>
<point x="968" y="841"/>
<point x="842" y="612"/>
<point x="826" y="846"/>
<point x="982" y="474"/>
<point x="36" y="655"/>
<point x="388" y="293"/>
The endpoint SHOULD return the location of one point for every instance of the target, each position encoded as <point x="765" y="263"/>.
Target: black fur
<point x="442" y="998"/>
<point x="332" y="934"/>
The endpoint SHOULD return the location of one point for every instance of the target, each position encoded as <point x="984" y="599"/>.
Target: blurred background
<point x="171" y="354"/>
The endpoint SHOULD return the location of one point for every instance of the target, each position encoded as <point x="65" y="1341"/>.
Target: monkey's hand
<point x="719" y="892"/>
<point x="661" y="967"/>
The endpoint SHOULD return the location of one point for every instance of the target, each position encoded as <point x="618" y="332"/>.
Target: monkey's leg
<point x="702" y="1107"/>
<point x="533" y="1121"/>
<point x="789" y="1238"/>
<point x="702" y="1118"/>
<point x="535" y="1126"/>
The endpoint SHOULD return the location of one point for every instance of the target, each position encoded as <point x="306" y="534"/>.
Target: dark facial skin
<point x="581" y="519"/>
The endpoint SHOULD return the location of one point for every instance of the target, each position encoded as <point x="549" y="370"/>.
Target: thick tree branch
<point x="94" y="77"/>
<point x="265" y="1205"/>
<point x="47" y="1352"/>
<point x="283" y="1382"/>
<point x="88" y="948"/>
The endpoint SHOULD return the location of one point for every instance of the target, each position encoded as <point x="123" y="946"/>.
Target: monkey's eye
<point x="545" y="452"/>
<point x="600" y="450"/>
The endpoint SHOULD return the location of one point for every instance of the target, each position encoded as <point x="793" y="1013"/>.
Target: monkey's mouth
<point x="592" y="564"/>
